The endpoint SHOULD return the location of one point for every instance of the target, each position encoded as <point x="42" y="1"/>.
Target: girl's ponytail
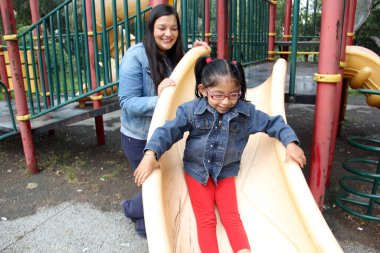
<point x="199" y="66"/>
<point x="237" y="71"/>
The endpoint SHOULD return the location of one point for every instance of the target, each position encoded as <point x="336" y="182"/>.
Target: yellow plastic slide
<point x="363" y="70"/>
<point x="276" y="206"/>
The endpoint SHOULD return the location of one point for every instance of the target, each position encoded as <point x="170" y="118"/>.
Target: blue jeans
<point x="133" y="150"/>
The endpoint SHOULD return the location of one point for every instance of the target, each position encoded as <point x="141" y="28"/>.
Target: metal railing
<point x="248" y="27"/>
<point x="56" y="49"/>
<point x="305" y="27"/>
<point x="58" y="45"/>
<point x="7" y="99"/>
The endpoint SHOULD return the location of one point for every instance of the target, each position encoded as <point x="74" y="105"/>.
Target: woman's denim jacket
<point x="215" y="143"/>
<point x="137" y="93"/>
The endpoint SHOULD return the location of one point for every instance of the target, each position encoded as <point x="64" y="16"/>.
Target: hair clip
<point x="208" y="60"/>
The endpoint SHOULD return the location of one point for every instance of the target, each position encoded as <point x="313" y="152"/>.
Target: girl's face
<point x="165" y="32"/>
<point x="227" y="88"/>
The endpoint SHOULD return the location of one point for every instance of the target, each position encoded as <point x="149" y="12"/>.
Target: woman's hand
<point x="199" y="43"/>
<point x="165" y="83"/>
<point x="295" y="153"/>
<point x="145" y="168"/>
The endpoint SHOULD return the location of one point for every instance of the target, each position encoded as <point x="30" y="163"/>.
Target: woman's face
<point x="165" y="32"/>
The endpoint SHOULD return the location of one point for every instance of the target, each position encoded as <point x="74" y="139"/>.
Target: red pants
<point x="223" y="195"/>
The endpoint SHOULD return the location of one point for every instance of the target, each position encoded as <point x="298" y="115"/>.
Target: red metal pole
<point x="222" y="27"/>
<point x="339" y="88"/>
<point x="97" y="102"/>
<point x="272" y="29"/>
<point x="287" y="18"/>
<point x="328" y="68"/>
<point x="207" y="22"/>
<point x="157" y="2"/>
<point x="3" y="69"/>
<point x="351" y="23"/>
<point x="35" y="13"/>
<point x="349" y="41"/>
<point x="10" y="37"/>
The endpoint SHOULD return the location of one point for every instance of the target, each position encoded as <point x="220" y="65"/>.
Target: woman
<point x="144" y="73"/>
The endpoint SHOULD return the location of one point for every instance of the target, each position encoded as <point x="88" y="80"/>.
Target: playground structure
<point x="86" y="79"/>
<point x="74" y="57"/>
<point x="362" y="69"/>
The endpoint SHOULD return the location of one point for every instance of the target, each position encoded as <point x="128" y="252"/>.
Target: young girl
<point x="219" y="122"/>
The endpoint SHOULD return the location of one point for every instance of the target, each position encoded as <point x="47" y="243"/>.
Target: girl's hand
<point x="165" y="83"/>
<point x="295" y="153"/>
<point x="199" y="43"/>
<point x="145" y="168"/>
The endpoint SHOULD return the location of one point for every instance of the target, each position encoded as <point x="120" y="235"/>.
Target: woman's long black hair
<point x="209" y="72"/>
<point x="158" y="68"/>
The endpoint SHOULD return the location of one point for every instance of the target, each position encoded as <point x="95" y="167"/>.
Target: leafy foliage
<point x="22" y="11"/>
<point x="370" y="30"/>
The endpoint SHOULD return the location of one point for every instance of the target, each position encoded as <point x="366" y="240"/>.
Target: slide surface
<point x="363" y="70"/>
<point x="276" y="206"/>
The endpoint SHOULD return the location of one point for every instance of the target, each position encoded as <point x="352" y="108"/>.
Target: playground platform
<point x="305" y="88"/>
<point x="63" y="116"/>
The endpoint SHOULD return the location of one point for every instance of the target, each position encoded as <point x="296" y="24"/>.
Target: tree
<point x="22" y="11"/>
<point x="368" y="34"/>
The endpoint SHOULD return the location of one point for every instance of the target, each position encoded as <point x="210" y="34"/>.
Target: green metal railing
<point x="248" y="33"/>
<point x="56" y="48"/>
<point x="62" y="45"/>
<point x="305" y="27"/>
<point x="305" y="31"/>
<point x="363" y="202"/>
<point x="4" y="90"/>
<point x="249" y="24"/>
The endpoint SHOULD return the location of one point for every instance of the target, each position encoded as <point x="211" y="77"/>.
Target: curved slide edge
<point x="362" y="68"/>
<point x="305" y="205"/>
<point x="276" y="206"/>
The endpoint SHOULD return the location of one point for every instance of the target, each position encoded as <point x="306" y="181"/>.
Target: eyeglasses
<point x="231" y="96"/>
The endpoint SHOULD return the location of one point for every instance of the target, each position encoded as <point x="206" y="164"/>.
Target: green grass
<point x="353" y="92"/>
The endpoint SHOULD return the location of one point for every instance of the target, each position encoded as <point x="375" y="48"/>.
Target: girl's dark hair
<point x="157" y="64"/>
<point x="209" y="72"/>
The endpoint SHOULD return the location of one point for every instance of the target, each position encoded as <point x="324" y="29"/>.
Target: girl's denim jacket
<point x="216" y="142"/>
<point x="137" y="93"/>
